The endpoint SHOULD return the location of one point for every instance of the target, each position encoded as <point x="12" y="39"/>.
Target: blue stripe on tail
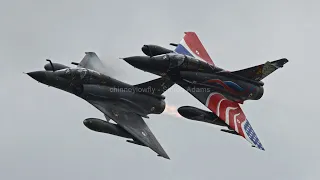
<point x="182" y="50"/>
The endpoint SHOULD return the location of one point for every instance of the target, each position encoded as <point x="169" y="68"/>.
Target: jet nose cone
<point x="38" y="75"/>
<point x="137" y="61"/>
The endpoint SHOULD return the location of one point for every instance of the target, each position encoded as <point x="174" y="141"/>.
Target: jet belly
<point x="237" y="89"/>
<point x="149" y="103"/>
<point x="125" y="99"/>
<point x="92" y="92"/>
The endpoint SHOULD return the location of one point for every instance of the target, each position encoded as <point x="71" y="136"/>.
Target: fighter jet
<point x="190" y="66"/>
<point x="123" y="103"/>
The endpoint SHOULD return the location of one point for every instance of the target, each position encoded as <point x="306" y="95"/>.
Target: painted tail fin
<point x="156" y="86"/>
<point x="261" y="71"/>
<point x="191" y="45"/>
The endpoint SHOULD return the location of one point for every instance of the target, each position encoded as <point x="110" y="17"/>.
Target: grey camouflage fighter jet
<point x="123" y="103"/>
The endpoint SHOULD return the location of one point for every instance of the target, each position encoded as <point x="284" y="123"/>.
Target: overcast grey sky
<point x="42" y="135"/>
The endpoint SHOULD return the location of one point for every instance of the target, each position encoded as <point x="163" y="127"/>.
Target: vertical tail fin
<point x="261" y="71"/>
<point x="156" y="86"/>
<point x="191" y="45"/>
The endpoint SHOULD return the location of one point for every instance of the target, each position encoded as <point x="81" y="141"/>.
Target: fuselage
<point x="94" y="86"/>
<point x="188" y="71"/>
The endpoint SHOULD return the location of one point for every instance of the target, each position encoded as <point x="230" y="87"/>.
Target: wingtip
<point x="189" y="32"/>
<point x="89" y="52"/>
<point x="162" y="153"/>
<point x="261" y="148"/>
<point x="280" y="62"/>
<point x="165" y="156"/>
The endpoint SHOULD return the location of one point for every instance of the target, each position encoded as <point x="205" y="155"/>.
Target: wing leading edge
<point x="231" y="112"/>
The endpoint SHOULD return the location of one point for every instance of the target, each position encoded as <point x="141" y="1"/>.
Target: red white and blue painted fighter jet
<point x="190" y="66"/>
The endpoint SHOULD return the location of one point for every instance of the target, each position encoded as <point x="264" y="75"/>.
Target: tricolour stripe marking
<point x="231" y="113"/>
